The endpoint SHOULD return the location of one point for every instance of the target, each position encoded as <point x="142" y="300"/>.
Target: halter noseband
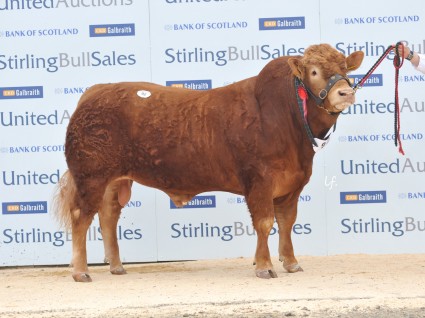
<point x="324" y="91"/>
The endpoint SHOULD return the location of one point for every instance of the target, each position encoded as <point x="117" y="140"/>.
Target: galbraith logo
<point x="21" y="92"/>
<point x="103" y="30"/>
<point x="191" y="84"/>
<point x="32" y="207"/>
<point x="284" y="23"/>
<point x="198" y="202"/>
<point x="355" y="197"/>
<point x="373" y="80"/>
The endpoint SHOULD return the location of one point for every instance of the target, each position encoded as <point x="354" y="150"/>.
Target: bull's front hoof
<point x="118" y="271"/>
<point x="81" y="277"/>
<point x="265" y="273"/>
<point x="293" y="268"/>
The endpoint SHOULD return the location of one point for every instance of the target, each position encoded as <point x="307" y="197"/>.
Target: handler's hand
<point x="403" y="50"/>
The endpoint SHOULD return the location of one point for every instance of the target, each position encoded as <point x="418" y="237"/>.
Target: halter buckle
<point x="323" y="93"/>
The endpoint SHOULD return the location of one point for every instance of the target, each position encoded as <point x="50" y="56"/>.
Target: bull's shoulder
<point x="278" y="67"/>
<point x="275" y="82"/>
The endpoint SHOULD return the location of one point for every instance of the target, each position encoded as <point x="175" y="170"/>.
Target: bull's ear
<point x="354" y="60"/>
<point x="296" y="66"/>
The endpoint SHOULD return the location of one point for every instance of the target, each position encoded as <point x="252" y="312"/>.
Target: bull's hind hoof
<point x="118" y="271"/>
<point x="81" y="278"/>
<point x="265" y="273"/>
<point x="293" y="268"/>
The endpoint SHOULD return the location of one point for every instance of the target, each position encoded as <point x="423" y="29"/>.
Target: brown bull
<point x="252" y="138"/>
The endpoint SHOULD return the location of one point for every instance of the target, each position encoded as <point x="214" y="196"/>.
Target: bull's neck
<point x="319" y="120"/>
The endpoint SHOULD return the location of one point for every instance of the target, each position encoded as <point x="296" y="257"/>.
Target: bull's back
<point x="180" y="140"/>
<point x="160" y="136"/>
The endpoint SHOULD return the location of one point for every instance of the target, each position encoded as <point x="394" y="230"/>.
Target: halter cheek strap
<point x="324" y="92"/>
<point x="301" y="94"/>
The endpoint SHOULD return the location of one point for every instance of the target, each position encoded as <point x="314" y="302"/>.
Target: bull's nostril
<point x="345" y="92"/>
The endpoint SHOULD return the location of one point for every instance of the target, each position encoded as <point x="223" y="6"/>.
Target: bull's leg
<point x="80" y="225"/>
<point x="261" y="208"/>
<point x="116" y="195"/>
<point x="91" y="193"/>
<point x="286" y="215"/>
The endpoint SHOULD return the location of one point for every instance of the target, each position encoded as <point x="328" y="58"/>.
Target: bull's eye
<point x="314" y="73"/>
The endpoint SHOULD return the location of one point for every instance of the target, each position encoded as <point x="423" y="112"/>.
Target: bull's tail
<point x="64" y="200"/>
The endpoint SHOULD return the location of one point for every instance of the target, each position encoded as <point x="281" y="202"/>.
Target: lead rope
<point x="398" y="63"/>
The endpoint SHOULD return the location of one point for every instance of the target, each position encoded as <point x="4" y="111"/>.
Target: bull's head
<point x="323" y="70"/>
